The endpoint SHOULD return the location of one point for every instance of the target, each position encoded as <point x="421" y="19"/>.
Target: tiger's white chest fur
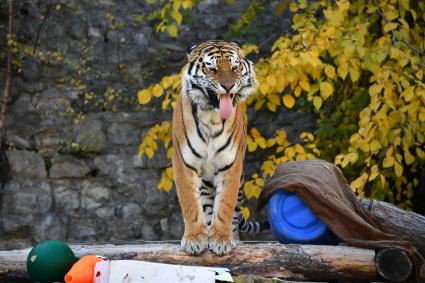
<point x="209" y="146"/>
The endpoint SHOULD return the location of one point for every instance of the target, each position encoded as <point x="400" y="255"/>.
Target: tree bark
<point x="296" y="262"/>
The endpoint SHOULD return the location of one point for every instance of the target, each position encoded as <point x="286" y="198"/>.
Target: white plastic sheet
<point x="130" y="271"/>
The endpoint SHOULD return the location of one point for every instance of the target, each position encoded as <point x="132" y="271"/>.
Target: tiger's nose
<point x="227" y="86"/>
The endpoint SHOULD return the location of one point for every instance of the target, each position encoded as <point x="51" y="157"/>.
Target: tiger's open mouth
<point x="215" y="98"/>
<point x="226" y="97"/>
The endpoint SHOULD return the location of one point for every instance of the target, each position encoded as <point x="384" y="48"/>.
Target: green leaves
<point x="171" y="14"/>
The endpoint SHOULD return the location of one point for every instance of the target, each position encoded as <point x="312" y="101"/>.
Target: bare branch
<point x="417" y="50"/>
<point x="46" y="14"/>
<point x="6" y="89"/>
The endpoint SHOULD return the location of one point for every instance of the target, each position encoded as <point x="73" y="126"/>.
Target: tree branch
<point x="6" y="89"/>
<point x="381" y="13"/>
<point x="46" y="13"/>
<point x="417" y="50"/>
<point x="393" y="39"/>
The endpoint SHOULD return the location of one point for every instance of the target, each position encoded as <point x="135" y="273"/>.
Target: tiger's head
<point x="217" y="76"/>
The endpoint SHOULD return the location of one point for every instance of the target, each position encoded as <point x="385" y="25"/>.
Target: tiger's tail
<point x="252" y="227"/>
<point x="245" y="226"/>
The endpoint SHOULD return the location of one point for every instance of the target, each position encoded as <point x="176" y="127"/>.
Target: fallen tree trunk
<point x="297" y="262"/>
<point x="408" y="224"/>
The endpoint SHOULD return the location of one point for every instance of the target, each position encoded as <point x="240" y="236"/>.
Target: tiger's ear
<point x="190" y="48"/>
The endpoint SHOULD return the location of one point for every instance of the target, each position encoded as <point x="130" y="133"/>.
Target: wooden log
<point x="296" y="262"/>
<point x="393" y="264"/>
<point x="406" y="223"/>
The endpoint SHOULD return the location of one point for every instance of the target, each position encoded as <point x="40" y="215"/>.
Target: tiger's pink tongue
<point x="226" y="106"/>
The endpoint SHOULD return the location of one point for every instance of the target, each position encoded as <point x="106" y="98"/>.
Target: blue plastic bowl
<point x="292" y="221"/>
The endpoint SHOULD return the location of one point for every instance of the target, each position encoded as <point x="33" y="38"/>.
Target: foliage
<point x="149" y="145"/>
<point x="360" y="67"/>
<point x="171" y="14"/>
<point x="247" y="18"/>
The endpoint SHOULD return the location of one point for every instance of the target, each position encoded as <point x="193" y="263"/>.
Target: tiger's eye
<point x="234" y="68"/>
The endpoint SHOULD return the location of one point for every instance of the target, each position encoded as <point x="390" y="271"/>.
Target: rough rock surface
<point x="70" y="166"/>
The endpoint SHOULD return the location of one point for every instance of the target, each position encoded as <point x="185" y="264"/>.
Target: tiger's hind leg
<point x="237" y="214"/>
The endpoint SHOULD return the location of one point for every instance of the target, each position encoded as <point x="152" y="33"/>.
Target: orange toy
<point x="82" y="271"/>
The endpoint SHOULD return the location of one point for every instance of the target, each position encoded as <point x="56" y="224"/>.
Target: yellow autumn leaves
<point x="285" y="76"/>
<point x="169" y="87"/>
<point x="254" y="140"/>
<point x="149" y="145"/>
<point x="145" y="95"/>
<point x="326" y="89"/>
<point x="338" y="58"/>
<point x="167" y="180"/>
<point x="288" y="100"/>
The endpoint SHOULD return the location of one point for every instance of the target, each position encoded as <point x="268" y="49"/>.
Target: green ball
<point x="49" y="261"/>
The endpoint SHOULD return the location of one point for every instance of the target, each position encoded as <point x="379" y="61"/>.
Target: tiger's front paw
<point x="195" y="244"/>
<point x="221" y="245"/>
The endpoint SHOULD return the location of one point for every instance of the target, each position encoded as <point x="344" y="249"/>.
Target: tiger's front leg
<point x="222" y="239"/>
<point x="195" y="238"/>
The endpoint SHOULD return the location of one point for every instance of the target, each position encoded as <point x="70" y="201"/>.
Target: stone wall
<point x="69" y="168"/>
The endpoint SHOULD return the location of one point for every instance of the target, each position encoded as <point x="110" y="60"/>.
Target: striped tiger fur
<point x="209" y="138"/>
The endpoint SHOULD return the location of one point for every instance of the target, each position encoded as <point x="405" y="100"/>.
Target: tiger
<point x="209" y="143"/>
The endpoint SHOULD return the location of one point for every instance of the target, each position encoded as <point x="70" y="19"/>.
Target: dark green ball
<point x="49" y="261"/>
